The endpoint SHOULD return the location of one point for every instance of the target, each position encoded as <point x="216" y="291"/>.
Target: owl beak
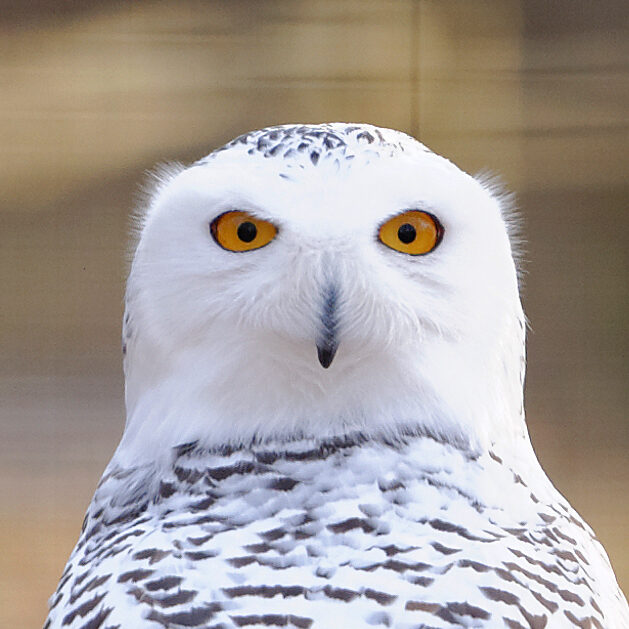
<point x="326" y="354"/>
<point x="327" y="343"/>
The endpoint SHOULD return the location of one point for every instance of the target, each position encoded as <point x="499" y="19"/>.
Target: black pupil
<point x="247" y="231"/>
<point x="406" y="233"/>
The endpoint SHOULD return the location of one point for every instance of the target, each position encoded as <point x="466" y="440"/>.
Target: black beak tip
<point x="326" y="355"/>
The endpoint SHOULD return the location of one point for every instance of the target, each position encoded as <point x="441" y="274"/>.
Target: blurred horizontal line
<point x="575" y="131"/>
<point x="447" y="75"/>
<point x="571" y="71"/>
<point x="521" y="131"/>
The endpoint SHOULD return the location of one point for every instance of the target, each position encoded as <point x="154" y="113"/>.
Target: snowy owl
<point x="324" y="361"/>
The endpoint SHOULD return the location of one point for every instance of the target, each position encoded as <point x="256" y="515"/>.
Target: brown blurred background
<point x="94" y="93"/>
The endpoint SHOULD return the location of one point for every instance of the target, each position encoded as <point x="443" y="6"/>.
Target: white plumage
<point x="395" y="487"/>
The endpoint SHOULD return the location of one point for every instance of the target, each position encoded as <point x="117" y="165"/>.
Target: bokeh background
<point x="95" y="92"/>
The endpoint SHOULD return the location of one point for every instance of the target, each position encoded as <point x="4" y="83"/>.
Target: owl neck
<point x="455" y="392"/>
<point x="413" y="463"/>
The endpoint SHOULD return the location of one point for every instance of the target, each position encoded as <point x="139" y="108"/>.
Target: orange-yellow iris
<point x="240" y="231"/>
<point x="413" y="232"/>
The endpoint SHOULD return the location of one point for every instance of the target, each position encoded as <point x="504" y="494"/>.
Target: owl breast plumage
<point x="343" y="533"/>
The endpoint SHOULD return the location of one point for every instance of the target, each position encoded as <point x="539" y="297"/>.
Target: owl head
<point x="318" y="280"/>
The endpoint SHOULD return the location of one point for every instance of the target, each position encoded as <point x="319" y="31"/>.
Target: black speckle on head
<point x="308" y="145"/>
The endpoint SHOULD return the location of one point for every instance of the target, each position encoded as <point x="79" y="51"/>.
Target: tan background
<point x="94" y="93"/>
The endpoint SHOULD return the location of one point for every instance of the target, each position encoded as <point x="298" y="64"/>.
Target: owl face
<point x="323" y="278"/>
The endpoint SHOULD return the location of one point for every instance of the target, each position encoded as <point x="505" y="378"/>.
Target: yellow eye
<point x="240" y="231"/>
<point x="413" y="232"/>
